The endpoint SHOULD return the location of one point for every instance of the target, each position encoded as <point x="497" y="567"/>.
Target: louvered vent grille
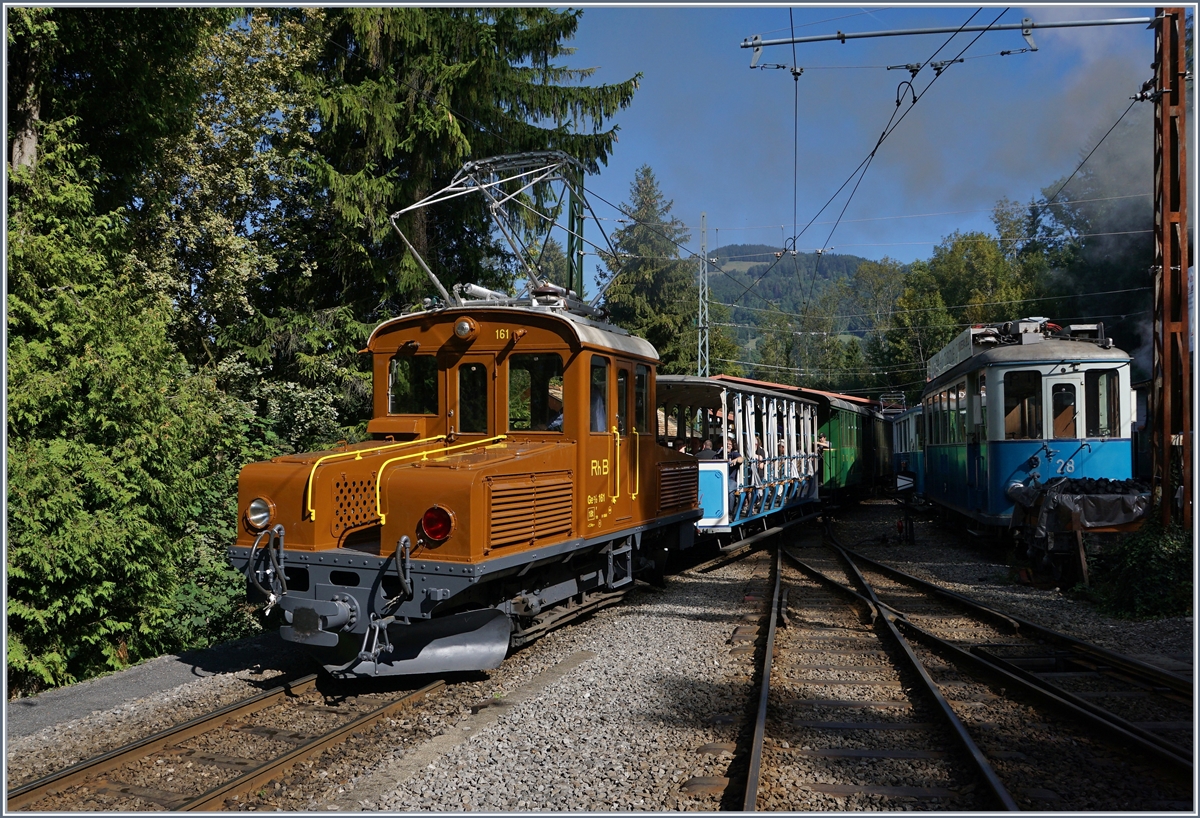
<point x="529" y="507"/>
<point x="353" y="504"/>
<point x="678" y="486"/>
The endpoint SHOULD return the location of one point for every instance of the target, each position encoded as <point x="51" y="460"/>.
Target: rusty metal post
<point x="1171" y="391"/>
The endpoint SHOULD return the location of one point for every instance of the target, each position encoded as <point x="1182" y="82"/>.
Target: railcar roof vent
<point x="1094" y="331"/>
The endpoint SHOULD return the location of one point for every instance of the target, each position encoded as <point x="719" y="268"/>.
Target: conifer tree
<point x="654" y="291"/>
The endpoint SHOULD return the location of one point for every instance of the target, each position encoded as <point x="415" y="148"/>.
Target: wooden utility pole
<point x="1171" y="390"/>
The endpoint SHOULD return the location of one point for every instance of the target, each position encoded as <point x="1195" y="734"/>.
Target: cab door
<point x="600" y="475"/>
<point x="1064" y="403"/>
<point x="624" y="453"/>
<point x="469" y="397"/>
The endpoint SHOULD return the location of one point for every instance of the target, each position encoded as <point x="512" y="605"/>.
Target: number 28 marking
<point x="1068" y="466"/>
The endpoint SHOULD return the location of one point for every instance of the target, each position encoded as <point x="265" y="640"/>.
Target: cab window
<point x="623" y="401"/>
<point x="472" y="398"/>
<point x="535" y="392"/>
<point x="412" y="385"/>
<point x="641" y="399"/>
<point x="1102" y="404"/>
<point x="1062" y="399"/>
<point x="1023" y="405"/>
<point x="599" y="394"/>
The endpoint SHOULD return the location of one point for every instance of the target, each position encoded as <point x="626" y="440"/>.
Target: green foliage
<point x="654" y="292"/>
<point x="122" y="459"/>
<point x="776" y="350"/>
<point x="1148" y="573"/>
<point x="922" y="325"/>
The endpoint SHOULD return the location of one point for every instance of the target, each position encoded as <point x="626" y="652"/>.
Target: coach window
<point x="472" y="398"/>
<point x="1023" y="405"/>
<point x="1062" y="399"/>
<point x="641" y="399"/>
<point x="535" y="392"/>
<point x="1102" y="403"/>
<point x="599" y="393"/>
<point x="412" y="385"/>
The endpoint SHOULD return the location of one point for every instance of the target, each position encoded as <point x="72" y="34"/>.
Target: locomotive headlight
<point x="259" y="513"/>
<point x="465" y="329"/>
<point x="437" y="523"/>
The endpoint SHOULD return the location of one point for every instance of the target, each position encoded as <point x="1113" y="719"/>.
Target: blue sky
<point x="721" y="137"/>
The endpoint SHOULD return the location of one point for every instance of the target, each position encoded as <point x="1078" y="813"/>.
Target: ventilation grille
<point x="353" y="504"/>
<point x="527" y="508"/>
<point x="678" y="486"/>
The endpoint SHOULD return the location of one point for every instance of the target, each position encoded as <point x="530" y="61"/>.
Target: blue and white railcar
<point x="908" y="448"/>
<point x="1019" y="404"/>
<point x="773" y="433"/>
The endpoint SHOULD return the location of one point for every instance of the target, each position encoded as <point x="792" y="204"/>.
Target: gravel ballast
<point x="631" y="709"/>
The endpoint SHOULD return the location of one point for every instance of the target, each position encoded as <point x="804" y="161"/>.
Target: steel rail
<point x="750" y="802"/>
<point x="1110" y="724"/>
<point x="1082" y="704"/>
<point x="1018" y="678"/>
<point x="976" y="755"/>
<point x="253" y="778"/>
<point x="26" y="794"/>
<point x="1175" y="682"/>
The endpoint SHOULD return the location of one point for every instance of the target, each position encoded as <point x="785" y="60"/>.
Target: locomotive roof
<point x="694" y="390"/>
<point x="586" y="331"/>
<point x="1049" y="350"/>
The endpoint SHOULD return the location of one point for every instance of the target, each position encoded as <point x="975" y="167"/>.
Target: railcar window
<point x="944" y="417"/>
<point x="1062" y="399"/>
<point x="1102" y="403"/>
<point x="535" y="392"/>
<point x="412" y="385"/>
<point x="953" y="415"/>
<point x="983" y="402"/>
<point x="960" y="417"/>
<point x="1023" y="405"/>
<point x="641" y="399"/>
<point x="599" y="394"/>
<point x="472" y="398"/>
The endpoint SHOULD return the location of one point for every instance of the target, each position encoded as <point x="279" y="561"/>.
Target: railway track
<point x="847" y="719"/>
<point x="1060" y="724"/>
<point x="211" y="762"/>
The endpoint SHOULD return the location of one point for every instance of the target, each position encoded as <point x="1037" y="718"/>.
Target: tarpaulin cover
<point x="1099" y="503"/>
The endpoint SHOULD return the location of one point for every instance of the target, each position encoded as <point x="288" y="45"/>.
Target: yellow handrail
<point x="617" y="462"/>
<point x="424" y="456"/>
<point x="637" y="466"/>
<point x="358" y="453"/>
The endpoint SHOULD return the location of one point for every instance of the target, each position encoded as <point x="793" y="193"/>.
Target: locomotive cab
<point x="512" y="471"/>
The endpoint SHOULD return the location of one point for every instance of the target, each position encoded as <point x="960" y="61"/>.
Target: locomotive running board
<point x="474" y="640"/>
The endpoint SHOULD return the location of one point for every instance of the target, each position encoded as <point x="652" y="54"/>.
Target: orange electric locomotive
<point x="513" y="481"/>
